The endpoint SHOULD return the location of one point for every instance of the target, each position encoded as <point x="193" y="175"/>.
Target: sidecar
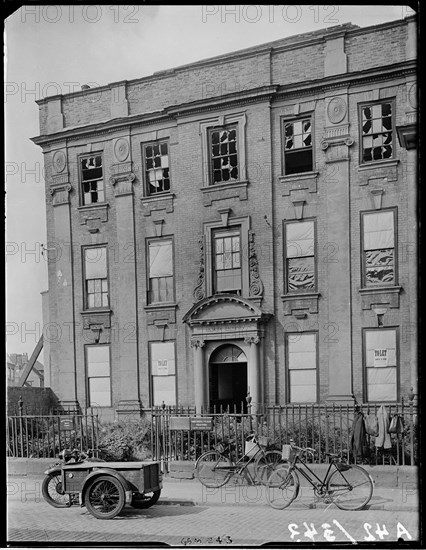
<point x="106" y="487"/>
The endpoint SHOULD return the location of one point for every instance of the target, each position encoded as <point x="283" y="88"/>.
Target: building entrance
<point x="228" y="379"/>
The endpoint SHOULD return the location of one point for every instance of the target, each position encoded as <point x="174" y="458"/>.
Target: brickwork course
<point x="324" y="76"/>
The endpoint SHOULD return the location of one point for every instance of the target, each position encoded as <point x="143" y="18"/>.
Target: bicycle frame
<point x="241" y="465"/>
<point x="311" y="477"/>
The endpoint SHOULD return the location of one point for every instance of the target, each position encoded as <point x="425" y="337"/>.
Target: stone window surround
<point x="244" y="224"/>
<point x="371" y="288"/>
<point x="87" y="309"/>
<point x="159" y="305"/>
<point x="237" y="119"/>
<point x="309" y="291"/>
<point x="164" y="200"/>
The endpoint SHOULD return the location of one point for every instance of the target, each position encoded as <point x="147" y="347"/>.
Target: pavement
<point x="186" y="492"/>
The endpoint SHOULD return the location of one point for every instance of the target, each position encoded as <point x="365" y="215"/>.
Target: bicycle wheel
<point x="213" y="469"/>
<point x="282" y="488"/>
<point x="265" y="464"/>
<point x="350" y="489"/>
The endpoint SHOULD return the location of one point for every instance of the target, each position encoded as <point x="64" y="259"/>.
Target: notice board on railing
<point x="196" y="423"/>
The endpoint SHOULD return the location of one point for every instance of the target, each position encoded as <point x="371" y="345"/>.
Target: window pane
<point x="160" y="259"/>
<point x="164" y="389"/>
<point x="98" y="360"/>
<point x="299" y="239"/>
<point x="300" y="274"/>
<point x="100" y="392"/>
<point x="303" y="386"/>
<point x="302" y="351"/>
<point x="163" y="358"/>
<point x="378" y="230"/>
<point x="381" y="384"/>
<point x="95" y="263"/>
<point x="379" y="266"/>
<point x="380" y="339"/>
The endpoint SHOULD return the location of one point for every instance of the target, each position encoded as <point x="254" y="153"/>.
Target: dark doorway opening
<point x="228" y="379"/>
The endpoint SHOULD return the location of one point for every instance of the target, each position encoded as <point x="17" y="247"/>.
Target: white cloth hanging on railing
<point x="383" y="439"/>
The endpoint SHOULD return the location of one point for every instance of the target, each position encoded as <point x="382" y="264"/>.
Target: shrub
<point x="125" y="441"/>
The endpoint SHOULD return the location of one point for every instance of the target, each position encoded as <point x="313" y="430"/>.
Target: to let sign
<point x="381" y="357"/>
<point x="202" y="423"/>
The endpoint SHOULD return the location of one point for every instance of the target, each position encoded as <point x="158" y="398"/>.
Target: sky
<point x="54" y="50"/>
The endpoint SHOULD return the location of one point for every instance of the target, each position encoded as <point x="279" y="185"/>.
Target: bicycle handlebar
<point x="302" y="449"/>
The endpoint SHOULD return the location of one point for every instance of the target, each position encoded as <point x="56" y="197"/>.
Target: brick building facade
<point x="243" y="224"/>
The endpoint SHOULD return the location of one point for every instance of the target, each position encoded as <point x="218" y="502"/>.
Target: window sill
<point x="300" y="303"/>
<point x="222" y="191"/>
<point x="378" y="164"/>
<point x="162" y="201"/>
<point x="386" y="295"/>
<point x="296" y="182"/>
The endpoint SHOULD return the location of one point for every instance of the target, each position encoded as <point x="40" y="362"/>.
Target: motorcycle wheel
<point x="52" y="491"/>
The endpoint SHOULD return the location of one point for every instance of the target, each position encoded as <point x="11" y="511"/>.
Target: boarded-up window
<point x="379" y="248"/>
<point x="300" y="256"/>
<point x="377" y="132"/>
<point x="96" y="275"/>
<point x="302" y="367"/>
<point x="160" y="258"/>
<point x="380" y="364"/>
<point x="163" y="372"/>
<point x="98" y="375"/>
<point x="298" y="146"/>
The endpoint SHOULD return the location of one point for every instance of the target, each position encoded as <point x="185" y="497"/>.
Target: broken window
<point x="92" y="179"/>
<point x="302" y="367"/>
<point x="298" y="155"/>
<point x="300" y="256"/>
<point x="377" y="132"/>
<point x="160" y="258"/>
<point x="157" y="169"/>
<point x="95" y="270"/>
<point x="224" y="155"/>
<point x="227" y="261"/>
<point x="379" y="248"/>
<point x="98" y="375"/>
<point x="380" y="364"/>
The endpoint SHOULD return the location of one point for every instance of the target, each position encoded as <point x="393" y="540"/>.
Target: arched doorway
<point x="228" y="378"/>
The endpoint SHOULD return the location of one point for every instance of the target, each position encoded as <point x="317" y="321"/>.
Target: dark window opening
<point x="157" y="168"/>
<point x="92" y="180"/>
<point x="298" y="155"/>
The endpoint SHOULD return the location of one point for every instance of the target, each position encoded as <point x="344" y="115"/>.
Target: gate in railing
<point x="44" y="436"/>
<point x="325" y="427"/>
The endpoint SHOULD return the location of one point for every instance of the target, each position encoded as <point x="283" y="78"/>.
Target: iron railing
<point x="44" y="436"/>
<point x="325" y="427"/>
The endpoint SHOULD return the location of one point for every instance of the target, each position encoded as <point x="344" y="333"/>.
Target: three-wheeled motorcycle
<point x="104" y="488"/>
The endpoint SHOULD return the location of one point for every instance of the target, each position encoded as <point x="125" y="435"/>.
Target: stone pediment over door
<point x="228" y="311"/>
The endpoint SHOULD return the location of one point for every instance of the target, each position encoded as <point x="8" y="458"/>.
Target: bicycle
<point x="348" y="486"/>
<point x="215" y="468"/>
